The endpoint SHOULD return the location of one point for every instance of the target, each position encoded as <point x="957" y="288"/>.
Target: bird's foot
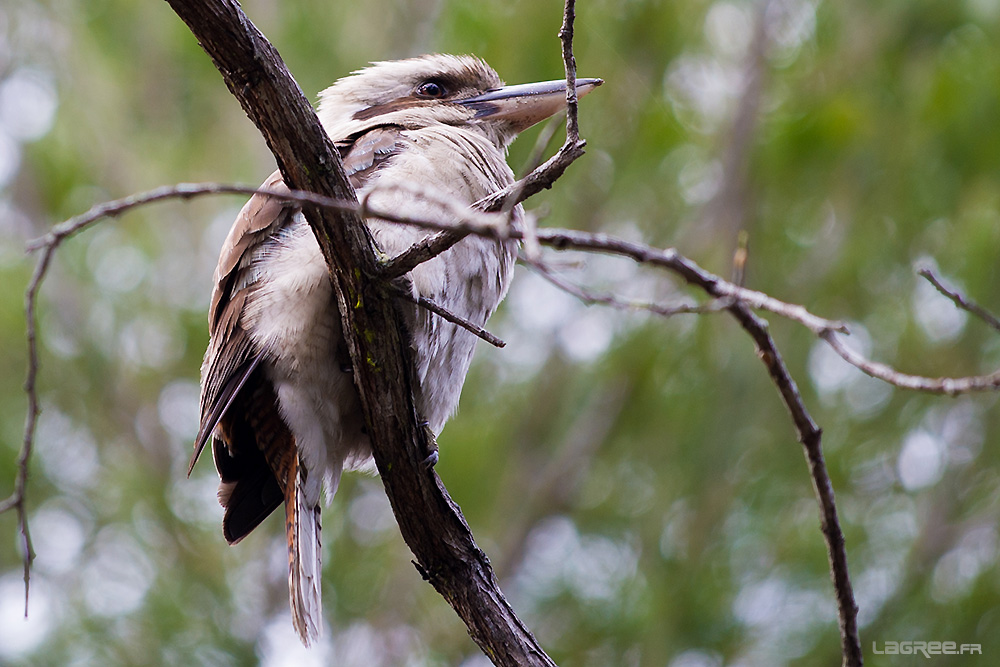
<point x="431" y="460"/>
<point x="432" y="447"/>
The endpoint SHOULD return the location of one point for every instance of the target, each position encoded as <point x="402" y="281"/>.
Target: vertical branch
<point x="810" y="435"/>
<point x="539" y="179"/>
<point x="569" y="64"/>
<point x="18" y="499"/>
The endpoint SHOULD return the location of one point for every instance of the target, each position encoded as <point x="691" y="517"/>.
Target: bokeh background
<point x="635" y="480"/>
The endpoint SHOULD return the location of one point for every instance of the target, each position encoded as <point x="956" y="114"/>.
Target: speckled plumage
<point x="278" y="399"/>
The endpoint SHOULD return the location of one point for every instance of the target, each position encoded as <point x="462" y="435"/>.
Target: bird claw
<point x="432" y="446"/>
<point x="430" y="461"/>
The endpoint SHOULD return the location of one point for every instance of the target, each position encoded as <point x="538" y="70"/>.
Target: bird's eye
<point x="431" y="90"/>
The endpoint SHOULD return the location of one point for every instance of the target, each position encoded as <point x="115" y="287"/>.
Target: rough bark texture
<point x="430" y="522"/>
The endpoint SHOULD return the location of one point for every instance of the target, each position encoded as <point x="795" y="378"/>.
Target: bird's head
<point x="440" y="89"/>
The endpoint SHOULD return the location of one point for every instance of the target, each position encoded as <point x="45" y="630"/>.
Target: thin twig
<point x="179" y="191"/>
<point x="944" y="385"/>
<point x="455" y="214"/>
<point x="669" y="258"/>
<point x="426" y="249"/>
<point x="590" y="297"/>
<point x="809" y="433"/>
<point x="18" y="498"/>
<point x="465" y="220"/>
<point x="569" y="64"/>
<point x="539" y="179"/>
<point x="503" y="200"/>
<point x="542" y="143"/>
<point x="961" y="300"/>
<point x="827" y="330"/>
<point x="446" y="314"/>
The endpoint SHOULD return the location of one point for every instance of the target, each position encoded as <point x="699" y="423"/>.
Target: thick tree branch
<point x="429" y="521"/>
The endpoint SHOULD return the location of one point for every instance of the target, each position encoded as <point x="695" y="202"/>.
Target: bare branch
<point x="960" y="300"/>
<point x="17" y="500"/>
<point x="810" y="436"/>
<point x="945" y="385"/>
<point x="719" y="288"/>
<point x="467" y="222"/>
<point x="569" y="64"/>
<point x="607" y="299"/>
<point x="563" y="239"/>
<point x="179" y="191"/>
<point x="464" y="219"/>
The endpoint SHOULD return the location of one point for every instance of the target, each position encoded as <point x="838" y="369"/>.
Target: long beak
<point x="524" y="105"/>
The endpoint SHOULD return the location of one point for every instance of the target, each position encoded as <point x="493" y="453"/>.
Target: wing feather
<point x="237" y="401"/>
<point x="253" y="448"/>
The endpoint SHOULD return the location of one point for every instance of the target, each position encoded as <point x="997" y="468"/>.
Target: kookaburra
<point x="278" y="398"/>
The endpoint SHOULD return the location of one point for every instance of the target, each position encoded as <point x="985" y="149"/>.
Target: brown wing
<point x="230" y="359"/>
<point x="254" y="450"/>
<point x="238" y="404"/>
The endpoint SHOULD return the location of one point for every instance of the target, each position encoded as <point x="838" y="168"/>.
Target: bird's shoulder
<point x="364" y="154"/>
<point x="263" y="215"/>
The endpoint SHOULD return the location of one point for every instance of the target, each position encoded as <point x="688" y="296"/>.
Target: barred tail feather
<point x="302" y="526"/>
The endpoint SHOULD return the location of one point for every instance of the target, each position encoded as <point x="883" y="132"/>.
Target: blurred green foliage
<point x="635" y="480"/>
